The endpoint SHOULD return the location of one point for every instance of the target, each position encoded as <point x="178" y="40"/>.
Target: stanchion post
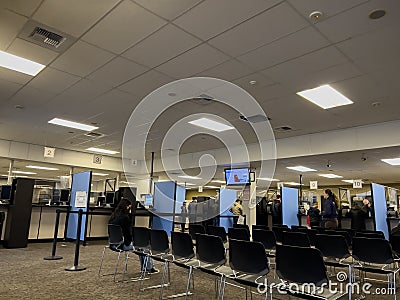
<point x="54" y="247"/>
<point x="76" y="267"/>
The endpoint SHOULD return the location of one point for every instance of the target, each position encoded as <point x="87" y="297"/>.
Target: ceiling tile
<point x="8" y="88"/>
<point x="294" y="45"/>
<point x="269" y="92"/>
<point x="296" y="69"/>
<point x="379" y="49"/>
<point x="126" y="25"/>
<point x="14" y="76"/>
<point x="10" y="25"/>
<point x="145" y="83"/>
<point x="85" y="90"/>
<point x="260" y="30"/>
<point x="253" y="89"/>
<point x="52" y="80"/>
<point x="74" y="17"/>
<point x="193" y="62"/>
<point x="172" y="40"/>
<point x="82" y="59"/>
<point x="168" y="9"/>
<point x="31" y="97"/>
<point x="229" y="70"/>
<point x="31" y="51"/>
<point x="355" y="21"/>
<point x="327" y="7"/>
<point x="221" y="15"/>
<point x="22" y="7"/>
<point x="116" y="72"/>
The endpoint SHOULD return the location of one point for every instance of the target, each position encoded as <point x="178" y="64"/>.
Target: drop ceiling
<point x="125" y="49"/>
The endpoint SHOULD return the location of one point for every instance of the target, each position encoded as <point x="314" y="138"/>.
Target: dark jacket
<point x="276" y="212"/>
<point x="330" y="210"/>
<point x="315" y="216"/>
<point x="358" y="216"/>
<point x="125" y="222"/>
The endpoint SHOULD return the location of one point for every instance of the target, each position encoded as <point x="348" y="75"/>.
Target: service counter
<point x="43" y="218"/>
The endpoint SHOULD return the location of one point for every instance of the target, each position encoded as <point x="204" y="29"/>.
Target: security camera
<point x="328" y="165"/>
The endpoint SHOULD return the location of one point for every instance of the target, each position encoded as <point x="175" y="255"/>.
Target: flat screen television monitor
<point x="5" y="192"/>
<point x="64" y="195"/>
<point x="239" y="176"/>
<point x="110" y="197"/>
<point x="101" y="200"/>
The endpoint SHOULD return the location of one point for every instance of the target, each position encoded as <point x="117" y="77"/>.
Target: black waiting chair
<point x="335" y="251"/>
<point x="377" y="251"/>
<point x="267" y="238"/>
<point x="370" y="234"/>
<point x="301" y="265"/>
<point x="263" y="227"/>
<point x="319" y="229"/>
<point x="159" y="251"/>
<point x="217" y="231"/>
<point x="296" y="228"/>
<point x="278" y="231"/>
<point x="311" y="233"/>
<point x="395" y="242"/>
<point x="239" y="234"/>
<point x="245" y="226"/>
<point x="141" y="247"/>
<point x="210" y="252"/>
<point x="195" y="229"/>
<point x="116" y="242"/>
<point x="298" y="239"/>
<point x="342" y="233"/>
<point x="182" y="256"/>
<point x="249" y="264"/>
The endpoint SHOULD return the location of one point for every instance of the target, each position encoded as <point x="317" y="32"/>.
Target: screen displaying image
<point x="237" y="176"/>
<point x="147" y="200"/>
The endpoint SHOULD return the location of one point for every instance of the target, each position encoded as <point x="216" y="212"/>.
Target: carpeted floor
<point x="25" y="275"/>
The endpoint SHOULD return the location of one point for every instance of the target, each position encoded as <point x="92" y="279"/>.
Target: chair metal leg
<point x="101" y="261"/>
<point x="188" y="282"/>
<point x="116" y="265"/>
<point x="125" y="266"/>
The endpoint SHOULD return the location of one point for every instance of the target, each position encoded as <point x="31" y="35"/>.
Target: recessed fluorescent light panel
<point x="42" y="168"/>
<point x="210" y="124"/>
<point x="105" y="151"/>
<point x="325" y="96"/>
<point x="349" y="180"/>
<point x="291" y="183"/>
<point x="218" y="181"/>
<point x="185" y="183"/>
<point x="99" y="174"/>
<point x="20" y="64"/>
<point x="301" y="169"/>
<point x="268" y="179"/>
<point x="24" y="172"/>
<point x="392" y="161"/>
<point x="211" y="187"/>
<point x="71" y="124"/>
<point x="330" y="176"/>
<point x="189" y="177"/>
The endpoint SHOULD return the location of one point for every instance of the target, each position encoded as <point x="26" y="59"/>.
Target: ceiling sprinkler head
<point x="315" y="16"/>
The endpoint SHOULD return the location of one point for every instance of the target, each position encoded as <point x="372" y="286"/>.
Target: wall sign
<point x="97" y="159"/>
<point x="357" y="184"/>
<point x="49" y="152"/>
<point x="80" y="199"/>
<point x="314" y="185"/>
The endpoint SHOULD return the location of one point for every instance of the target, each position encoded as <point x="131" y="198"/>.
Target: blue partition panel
<point x="80" y="191"/>
<point x="379" y="200"/>
<point x="226" y="200"/>
<point x="164" y="201"/>
<point x="290" y="206"/>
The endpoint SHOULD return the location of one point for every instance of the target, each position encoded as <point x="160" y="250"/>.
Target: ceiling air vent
<point x="283" y="128"/>
<point x="94" y="134"/>
<point x="50" y="38"/>
<point x="46" y="36"/>
<point x="254" y="119"/>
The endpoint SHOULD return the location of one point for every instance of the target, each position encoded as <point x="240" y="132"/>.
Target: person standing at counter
<point x="358" y="215"/>
<point x="330" y="210"/>
<point x="276" y="211"/>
